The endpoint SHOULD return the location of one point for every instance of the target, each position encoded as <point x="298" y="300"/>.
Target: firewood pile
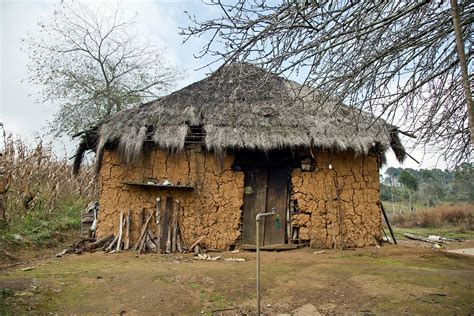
<point x="166" y="238"/>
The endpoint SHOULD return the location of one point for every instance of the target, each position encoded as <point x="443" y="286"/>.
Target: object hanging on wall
<point x="308" y="165"/>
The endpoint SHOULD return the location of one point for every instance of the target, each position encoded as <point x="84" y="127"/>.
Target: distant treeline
<point x="428" y="186"/>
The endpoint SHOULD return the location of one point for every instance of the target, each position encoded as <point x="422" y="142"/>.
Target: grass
<point x="42" y="228"/>
<point x="396" y="207"/>
<point x="446" y="231"/>
<point x="388" y="280"/>
<point x="42" y="199"/>
<point x="5" y="293"/>
<point x="452" y="220"/>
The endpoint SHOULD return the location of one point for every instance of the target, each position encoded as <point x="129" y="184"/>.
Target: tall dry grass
<point x="38" y="190"/>
<point x="459" y="215"/>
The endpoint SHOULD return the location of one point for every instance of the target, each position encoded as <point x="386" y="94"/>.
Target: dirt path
<point x="392" y="279"/>
<point x="464" y="251"/>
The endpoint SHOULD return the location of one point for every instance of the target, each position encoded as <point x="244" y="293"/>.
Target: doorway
<point x="265" y="188"/>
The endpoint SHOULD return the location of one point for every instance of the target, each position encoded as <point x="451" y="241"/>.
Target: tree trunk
<point x="463" y="65"/>
<point x="410" y="201"/>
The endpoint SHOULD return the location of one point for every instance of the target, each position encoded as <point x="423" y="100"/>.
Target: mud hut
<point x="240" y="142"/>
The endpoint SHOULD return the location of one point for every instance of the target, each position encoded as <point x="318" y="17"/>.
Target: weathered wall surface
<point x="212" y="209"/>
<point x="342" y="201"/>
<point x="324" y="218"/>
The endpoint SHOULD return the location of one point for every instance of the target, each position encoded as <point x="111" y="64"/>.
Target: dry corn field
<point x="35" y="181"/>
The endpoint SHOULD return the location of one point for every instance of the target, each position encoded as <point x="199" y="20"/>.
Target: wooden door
<point x="265" y="188"/>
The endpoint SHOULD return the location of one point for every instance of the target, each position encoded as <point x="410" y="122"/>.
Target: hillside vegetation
<point x="428" y="202"/>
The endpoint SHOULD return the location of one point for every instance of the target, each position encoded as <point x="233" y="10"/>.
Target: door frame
<point x="261" y="175"/>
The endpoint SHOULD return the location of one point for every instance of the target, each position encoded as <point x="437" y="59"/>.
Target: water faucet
<point x="257" y="246"/>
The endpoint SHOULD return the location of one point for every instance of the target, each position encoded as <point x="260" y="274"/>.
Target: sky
<point x="158" y="21"/>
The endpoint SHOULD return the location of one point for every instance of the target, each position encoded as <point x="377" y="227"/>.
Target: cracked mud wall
<point x="212" y="209"/>
<point x="342" y="201"/>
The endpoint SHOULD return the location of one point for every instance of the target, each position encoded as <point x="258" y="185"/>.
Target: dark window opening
<point x="195" y="135"/>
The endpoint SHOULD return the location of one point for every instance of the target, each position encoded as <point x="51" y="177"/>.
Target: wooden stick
<point x="421" y="238"/>
<point x="150" y="236"/>
<point x="111" y="245"/>
<point x="142" y="223"/>
<point x="158" y="225"/>
<point x="388" y="223"/>
<point x="196" y="242"/>
<point x="99" y="243"/>
<point x="143" y="232"/>
<point x="178" y="242"/>
<point x="147" y="237"/>
<point x="180" y="225"/>
<point x="150" y="242"/>
<point x="175" y="227"/>
<point x="119" y="242"/>
<point x="127" y="231"/>
<point x="168" y="238"/>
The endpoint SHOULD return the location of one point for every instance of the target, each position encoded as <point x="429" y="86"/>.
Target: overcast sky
<point x="158" y="21"/>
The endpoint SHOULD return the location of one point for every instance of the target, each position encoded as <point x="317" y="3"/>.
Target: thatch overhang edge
<point x="234" y="117"/>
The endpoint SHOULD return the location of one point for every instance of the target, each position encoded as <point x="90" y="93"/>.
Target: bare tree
<point x="394" y="59"/>
<point x="93" y="64"/>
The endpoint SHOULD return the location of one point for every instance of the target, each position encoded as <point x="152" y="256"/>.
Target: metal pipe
<point x="257" y="247"/>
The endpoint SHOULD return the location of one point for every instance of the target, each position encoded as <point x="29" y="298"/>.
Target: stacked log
<point x="166" y="239"/>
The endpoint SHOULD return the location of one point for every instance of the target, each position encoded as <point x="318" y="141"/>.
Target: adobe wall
<point x="212" y="209"/>
<point x="356" y="215"/>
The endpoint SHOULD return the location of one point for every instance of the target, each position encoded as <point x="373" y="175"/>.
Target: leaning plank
<point x="138" y="245"/>
<point x="175" y="227"/>
<point x="180" y="230"/>
<point x="143" y="232"/>
<point x="178" y="242"/>
<point x="127" y="231"/>
<point x="158" y="225"/>
<point x="167" y="223"/>
<point x="119" y="241"/>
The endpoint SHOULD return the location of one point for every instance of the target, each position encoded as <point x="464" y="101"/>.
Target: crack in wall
<point x="342" y="201"/>
<point x="212" y="209"/>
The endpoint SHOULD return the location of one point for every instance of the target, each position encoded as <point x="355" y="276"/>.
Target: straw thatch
<point x="244" y="107"/>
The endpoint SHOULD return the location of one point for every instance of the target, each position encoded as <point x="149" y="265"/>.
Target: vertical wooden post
<point x="119" y="241"/>
<point x="127" y="231"/>
<point x="174" y="227"/>
<point x="158" y="225"/>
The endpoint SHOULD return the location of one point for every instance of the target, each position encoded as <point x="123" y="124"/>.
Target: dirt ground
<point x="391" y="279"/>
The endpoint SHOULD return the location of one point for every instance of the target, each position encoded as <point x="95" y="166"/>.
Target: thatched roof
<point x="242" y="106"/>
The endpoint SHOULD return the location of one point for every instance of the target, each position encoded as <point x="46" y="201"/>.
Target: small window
<point x="195" y="135"/>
